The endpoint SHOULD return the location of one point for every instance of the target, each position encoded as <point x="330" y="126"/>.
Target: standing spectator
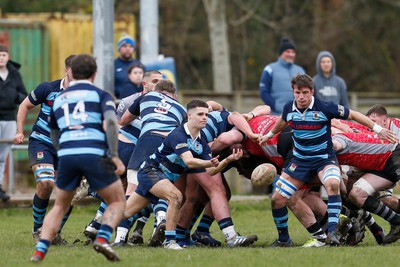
<point x="76" y="129"/>
<point x="275" y="89"/>
<point x="12" y="93"/>
<point x="126" y="47"/>
<point x="43" y="158"/>
<point x="329" y="86"/>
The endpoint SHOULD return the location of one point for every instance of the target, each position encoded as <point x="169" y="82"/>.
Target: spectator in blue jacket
<point x="328" y="86"/>
<point x="126" y="47"/>
<point x="275" y="88"/>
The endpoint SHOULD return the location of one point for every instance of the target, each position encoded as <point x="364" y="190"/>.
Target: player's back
<point x="79" y="113"/>
<point x="160" y="112"/>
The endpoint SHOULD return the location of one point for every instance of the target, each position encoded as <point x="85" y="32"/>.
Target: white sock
<point x="160" y="216"/>
<point x="143" y="219"/>
<point x="121" y="234"/>
<point x="99" y="217"/>
<point x="229" y="232"/>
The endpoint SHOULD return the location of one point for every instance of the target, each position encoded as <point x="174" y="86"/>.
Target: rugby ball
<point x="263" y="174"/>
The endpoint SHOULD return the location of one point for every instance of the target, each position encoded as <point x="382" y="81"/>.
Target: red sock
<point x="101" y="240"/>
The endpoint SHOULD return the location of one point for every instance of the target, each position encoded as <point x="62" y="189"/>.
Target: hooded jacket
<point x="12" y="92"/>
<point x="332" y="88"/>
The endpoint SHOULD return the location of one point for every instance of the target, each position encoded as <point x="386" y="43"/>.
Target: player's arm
<point x="212" y="166"/>
<point x="23" y="110"/>
<point x="111" y="126"/>
<point x="279" y="126"/>
<point x="257" y="111"/>
<point x="55" y="137"/>
<point x="132" y="112"/>
<point x="240" y="122"/>
<point x="213" y="105"/>
<point x="383" y="133"/>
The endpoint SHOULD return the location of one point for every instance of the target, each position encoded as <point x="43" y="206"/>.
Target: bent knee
<point x="175" y="198"/>
<point x="44" y="188"/>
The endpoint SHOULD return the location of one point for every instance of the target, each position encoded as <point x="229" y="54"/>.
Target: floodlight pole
<point x="103" y="43"/>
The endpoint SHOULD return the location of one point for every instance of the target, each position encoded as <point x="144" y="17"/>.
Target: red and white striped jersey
<point x="395" y="126"/>
<point x="363" y="150"/>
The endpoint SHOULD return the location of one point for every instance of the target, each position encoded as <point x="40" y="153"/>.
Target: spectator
<point x="329" y="86"/>
<point x="275" y="89"/>
<point x="12" y="93"/>
<point x="135" y="75"/>
<point x="126" y="47"/>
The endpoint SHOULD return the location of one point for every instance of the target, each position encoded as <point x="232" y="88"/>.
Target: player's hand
<point x="388" y="135"/>
<point x="263" y="140"/>
<point x="254" y="137"/>
<point x="119" y="165"/>
<point x="237" y="153"/>
<point x="19" y="138"/>
<point x="214" y="161"/>
<point x="247" y="116"/>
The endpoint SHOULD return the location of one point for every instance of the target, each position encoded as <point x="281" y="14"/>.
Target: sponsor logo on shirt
<point x="181" y="145"/>
<point x="341" y="110"/>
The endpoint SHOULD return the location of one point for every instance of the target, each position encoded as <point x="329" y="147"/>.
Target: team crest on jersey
<point x="292" y="167"/>
<point x="181" y="145"/>
<point x="315" y="116"/>
<point x="341" y="110"/>
<point x="39" y="155"/>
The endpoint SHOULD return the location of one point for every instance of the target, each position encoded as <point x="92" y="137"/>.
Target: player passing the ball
<point x="313" y="155"/>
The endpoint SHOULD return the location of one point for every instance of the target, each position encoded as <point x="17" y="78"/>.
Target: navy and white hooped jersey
<point x="217" y="123"/>
<point x="167" y="158"/>
<point x="78" y="113"/>
<point x="312" y="128"/>
<point x="158" y="112"/>
<point x="44" y="94"/>
<point x="131" y="130"/>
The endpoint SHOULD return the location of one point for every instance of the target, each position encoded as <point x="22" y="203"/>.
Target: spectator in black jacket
<point x="12" y="93"/>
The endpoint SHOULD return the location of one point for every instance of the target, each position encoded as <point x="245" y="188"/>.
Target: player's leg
<point x="330" y="177"/>
<point x="193" y="195"/>
<point x="166" y="190"/>
<point x="286" y="186"/>
<point x="361" y="196"/>
<point x="299" y="203"/>
<point x="52" y="222"/>
<point x="215" y="190"/>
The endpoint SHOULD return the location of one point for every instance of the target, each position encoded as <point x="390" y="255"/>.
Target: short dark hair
<point x="83" y="66"/>
<point x="302" y="80"/>
<point x="378" y="110"/>
<point x="148" y="73"/>
<point x="195" y="103"/>
<point x="165" y="85"/>
<point x="68" y="61"/>
<point x="137" y="65"/>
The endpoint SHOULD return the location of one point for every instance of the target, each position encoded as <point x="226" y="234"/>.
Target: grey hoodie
<point x="332" y="88"/>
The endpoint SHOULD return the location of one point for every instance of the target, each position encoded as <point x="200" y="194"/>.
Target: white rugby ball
<point x="263" y="174"/>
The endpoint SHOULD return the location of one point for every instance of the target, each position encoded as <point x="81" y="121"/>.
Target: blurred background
<point x="363" y="35"/>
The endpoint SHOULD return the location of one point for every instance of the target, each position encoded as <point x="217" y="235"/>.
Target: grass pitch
<point x="250" y="217"/>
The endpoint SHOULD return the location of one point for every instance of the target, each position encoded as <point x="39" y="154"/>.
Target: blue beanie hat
<point x="126" y="39"/>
